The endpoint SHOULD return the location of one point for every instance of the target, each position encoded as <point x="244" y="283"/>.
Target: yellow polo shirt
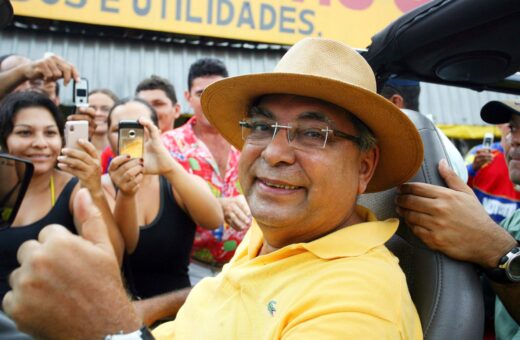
<point x="345" y="285"/>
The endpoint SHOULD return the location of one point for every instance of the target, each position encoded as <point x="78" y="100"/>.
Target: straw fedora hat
<point x="333" y="72"/>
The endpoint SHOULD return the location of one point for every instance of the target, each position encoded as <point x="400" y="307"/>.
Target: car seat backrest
<point x="8" y="329"/>
<point x="446" y="293"/>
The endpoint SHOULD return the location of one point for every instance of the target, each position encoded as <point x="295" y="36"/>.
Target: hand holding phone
<point x="75" y="130"/>
<point x="487" y="141"/>
<point x="131" y="139"/>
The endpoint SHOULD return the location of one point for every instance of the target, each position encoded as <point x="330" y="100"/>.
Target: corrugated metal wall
<point x="121" y="64"/>
<point x="455" y="106"/>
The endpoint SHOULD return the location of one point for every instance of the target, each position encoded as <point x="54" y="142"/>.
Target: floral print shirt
<point x="215" y="247"/>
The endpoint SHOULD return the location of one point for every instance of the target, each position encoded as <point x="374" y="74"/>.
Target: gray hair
<point x="367" y="140"/>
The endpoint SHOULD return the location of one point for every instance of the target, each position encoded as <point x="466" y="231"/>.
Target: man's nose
<point x="278" y="150"/>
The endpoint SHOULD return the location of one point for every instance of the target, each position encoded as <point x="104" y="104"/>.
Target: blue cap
<point x="401" y="82"/>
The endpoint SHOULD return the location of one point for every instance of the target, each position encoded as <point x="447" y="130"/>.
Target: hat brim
<point x="6" y="13"/>
<point x="225" y="103"/>
<point x="497" y="112"/>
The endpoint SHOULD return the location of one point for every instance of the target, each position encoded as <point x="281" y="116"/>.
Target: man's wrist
<point x="508" y="268"/>
<point x="125" y="321"/>
<point x="25" y="72"/>
<point x="142" y="333"/>
<point x="500" y="243"/>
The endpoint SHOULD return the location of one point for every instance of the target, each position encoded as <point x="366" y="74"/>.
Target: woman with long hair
<point x="31" y="127"/>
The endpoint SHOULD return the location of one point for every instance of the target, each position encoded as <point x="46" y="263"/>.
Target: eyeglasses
<point x="304" y="135"/>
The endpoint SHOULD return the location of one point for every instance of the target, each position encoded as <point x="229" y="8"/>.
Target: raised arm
<point x="84" y="164"/>
<point x="48" y="69"/>
<point x="127" y="174"/>
<point x="193" y="195"/>
<point x="191" y="192"/>
<point x="10" y="79"/>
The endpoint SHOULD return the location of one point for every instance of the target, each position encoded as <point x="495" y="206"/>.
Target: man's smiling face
<point x="300" y="194"/>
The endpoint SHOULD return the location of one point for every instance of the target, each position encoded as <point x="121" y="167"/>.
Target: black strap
<point x="498" y="274"/>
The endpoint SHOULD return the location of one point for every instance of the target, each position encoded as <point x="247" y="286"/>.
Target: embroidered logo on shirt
<point x="271" y="307"/>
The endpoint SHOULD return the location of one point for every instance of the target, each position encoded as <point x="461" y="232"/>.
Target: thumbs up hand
<point x="68" y="287"/>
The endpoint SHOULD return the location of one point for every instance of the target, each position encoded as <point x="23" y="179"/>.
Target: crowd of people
<point x="175" y="215"/>
<point x="230" y="223"/>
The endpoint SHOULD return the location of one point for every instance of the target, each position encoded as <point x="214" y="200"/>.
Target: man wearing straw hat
<point x="314" y="135"/>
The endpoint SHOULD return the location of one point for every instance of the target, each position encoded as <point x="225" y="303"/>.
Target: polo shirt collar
<point x="353" y="240"/>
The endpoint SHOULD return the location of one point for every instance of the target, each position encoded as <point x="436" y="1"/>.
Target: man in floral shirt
<point x="200" y="148"/>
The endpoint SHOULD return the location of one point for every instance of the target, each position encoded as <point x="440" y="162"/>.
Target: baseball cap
<point x="499" y="111"/>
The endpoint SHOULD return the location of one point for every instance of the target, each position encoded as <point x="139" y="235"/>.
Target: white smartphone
<point x="74" y="130"/>
<point x="80" y="93"/>
<point x="487" y="141"/>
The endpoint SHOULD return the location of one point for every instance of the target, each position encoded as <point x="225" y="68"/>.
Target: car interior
<point x="446" y="293"/>
<point x="465" y="43"/>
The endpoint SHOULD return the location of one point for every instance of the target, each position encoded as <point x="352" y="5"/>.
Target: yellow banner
<point x="469" y="131"/>
<point x="272" y="21"/>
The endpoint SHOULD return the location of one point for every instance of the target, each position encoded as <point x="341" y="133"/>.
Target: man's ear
<point x="176" y="110"/>
<point x="368" y="163"/>
<point x="397" y="100"/>
<point x="187" y="95"/>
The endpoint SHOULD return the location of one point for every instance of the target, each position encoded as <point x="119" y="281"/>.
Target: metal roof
<point x="120" y="64"/>
<point x="455" y="106"/>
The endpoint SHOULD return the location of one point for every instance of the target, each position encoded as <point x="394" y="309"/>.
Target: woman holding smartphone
<point x="158" y="204"/>
<point x="31" y="127"/>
